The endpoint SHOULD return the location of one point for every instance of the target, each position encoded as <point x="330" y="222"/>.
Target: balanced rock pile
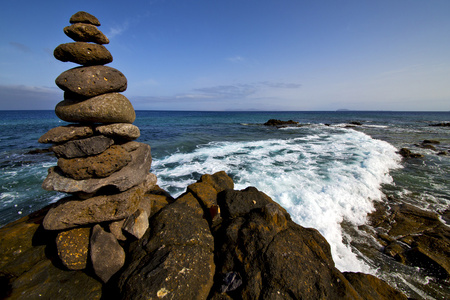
<point x="99" y="163"/>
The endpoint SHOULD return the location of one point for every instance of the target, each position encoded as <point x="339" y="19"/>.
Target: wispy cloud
<point x="21" y="47"/>
<point x="236" y="59"/>
<point x="118" y="29"/>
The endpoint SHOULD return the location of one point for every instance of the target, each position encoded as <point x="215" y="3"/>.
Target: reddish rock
<point x="92" y="81"/>
<point x="132" y="174"/>
<point x="98" y="166"/>
<point x="82" y="32"/>
<point x="82" y="53"/>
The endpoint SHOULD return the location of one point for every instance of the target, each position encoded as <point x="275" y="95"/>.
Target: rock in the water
<point x="107" y="255"/>
<point x="84" y="17"/>
<point x="83" y="147"/>
<point x="106" y="108"/>
<point x="176" y="256"/>
<point x="137" y="223"/>
<point x="82" y="32"/>
<point x="119" y="131"/>
<point x="409" y="219"/>
<point x="82" y="53"/>
<point x="278" y="123"/>
<point x="98" y="166"/>
<point x="63" y="134"/>
<point x="132" y="174"/>
<point x="71" y="212"/>
<point x="73" y="247"/>
<point x="370" y="287"/>
<point x="406" y="153"/>
<point x="92" y="81"/>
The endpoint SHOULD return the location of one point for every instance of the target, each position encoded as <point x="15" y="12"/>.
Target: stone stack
<point x="99" y="163"/>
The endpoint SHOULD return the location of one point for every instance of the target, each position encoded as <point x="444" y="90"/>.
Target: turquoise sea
<point x="326" y="173"/>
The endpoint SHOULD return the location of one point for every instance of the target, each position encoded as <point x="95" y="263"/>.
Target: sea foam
<point x="322" y="178"/>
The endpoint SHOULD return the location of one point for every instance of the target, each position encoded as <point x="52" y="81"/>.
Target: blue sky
<point x="241" y="54"/>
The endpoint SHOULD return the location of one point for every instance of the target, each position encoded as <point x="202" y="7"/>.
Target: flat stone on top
<point x="84" y="17"/>
<point x="92" y="81"/>
<point x="106" y="108"/>
<point x="80" y="32"/>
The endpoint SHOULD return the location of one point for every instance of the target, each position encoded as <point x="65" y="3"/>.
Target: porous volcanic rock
<point x="72" y="212"/>
<point x="82" y="53"/>
<point x="106" y="108"/>
<point x="82" y="32"/>
<point x="92" y="81"/>
<point x="176" y="256"/>
<point x="73" y="247"/>
<point x="84" y="17"/>
<point x="130" y="175"/>
<point x="107" y="255"/>
<point x="98" y="166"/>
<point x="63" y="134"/>
<point x="119" y="130"/>
<point x="83" y="147"/>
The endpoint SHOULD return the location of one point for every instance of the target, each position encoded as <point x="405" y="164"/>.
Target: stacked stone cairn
<point x="99" y="164"/>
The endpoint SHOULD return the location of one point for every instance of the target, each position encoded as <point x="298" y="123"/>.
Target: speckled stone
<point x="106" y="108"/>
<point x="82" y="53"/>
<point x="84" y="17"/>
<point x="73" y="247"/>
<point x="81" y="32"/>
<point x="92" y="81"/>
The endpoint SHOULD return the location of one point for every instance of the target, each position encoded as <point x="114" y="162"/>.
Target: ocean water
<point x="327" y="173"/>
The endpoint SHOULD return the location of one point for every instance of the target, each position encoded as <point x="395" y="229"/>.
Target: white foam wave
<point x="321" y="179"/>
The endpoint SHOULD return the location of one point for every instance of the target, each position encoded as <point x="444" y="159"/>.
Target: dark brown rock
<point x="409" y="219"/>
<point x="82" y="53"/>
<point x="107" y="255"/>
<point x="98" y="166"/>
<point x="73" y="247"/>
<point x="371" y="288"/>
<point x="132" y="174"/>
<point x="71" y="212"/>
<point x="220" y="181"/>
<point x="82" y="32"/>
<point x="175" y="256"/>
<point x="278" y="123"/>
<point x="406" y="153"/>
<point x="276" y="258"/>
<point x="106" y="108"/>
<point x="92" y="81"/>
<point x="84" y="17"/>
<point x="121" y="131"/>
<point x="63" y="134"/>
<point x="26" y="267"/>
<point x="83" y="147"/>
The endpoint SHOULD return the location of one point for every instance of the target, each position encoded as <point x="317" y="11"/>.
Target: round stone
<point x="84" y="17"/>
<point x="81" y="32"/>
<point x="92" y="81"/>
<point x="106" y="108"/>
<point x="83" y="53"/>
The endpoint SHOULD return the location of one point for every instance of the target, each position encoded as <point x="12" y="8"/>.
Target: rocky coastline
<point x="212" y="242"/>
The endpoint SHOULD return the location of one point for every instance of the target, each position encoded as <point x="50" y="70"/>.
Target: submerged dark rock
<point x="277" y="123"/>
<point x="406" y="153"/>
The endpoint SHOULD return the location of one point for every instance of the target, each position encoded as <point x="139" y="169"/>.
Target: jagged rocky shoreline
<point x="212" y="242"/>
